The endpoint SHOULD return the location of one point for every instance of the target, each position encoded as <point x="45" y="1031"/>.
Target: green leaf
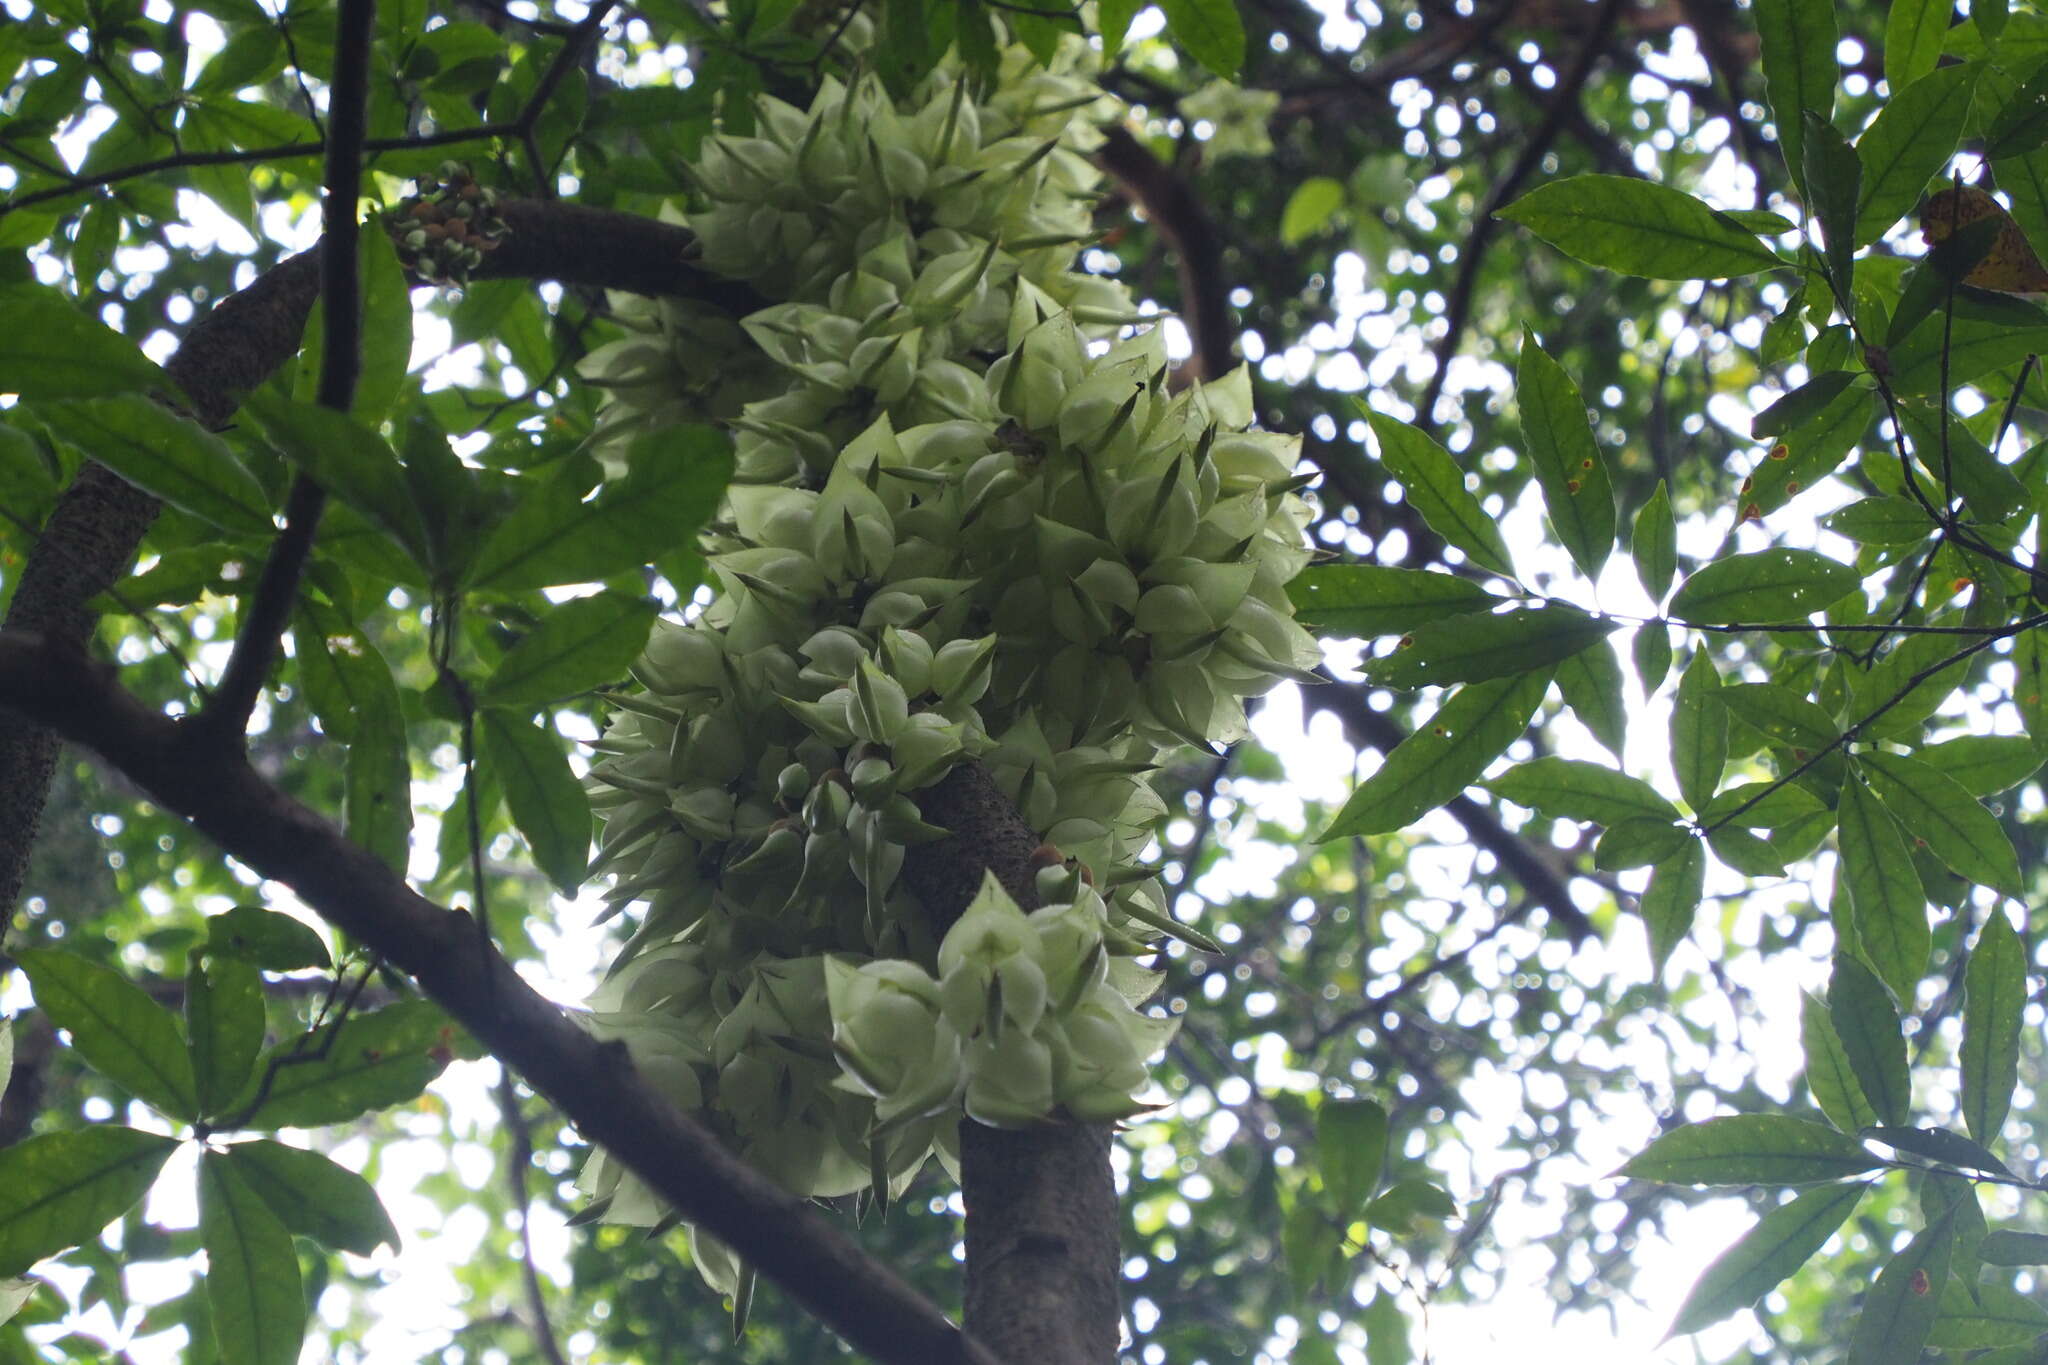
<point x="266" y="939"/>
<point x="1801" y="404"/>
<point x="1995" y="986"/>
<point x="1782" y="715"/>
<point x="1210" y="31"/>
<point x="1889" y="905"/>
<point x="1866" y="1024"/>
<point x="1650" y="651"/>
<point x="2014" y="1248"/>
<point x="1479" y="646"/>
<point x="1914" y="32"/>
<point x="2021" y="124"/>
<point x="1446" y="754"/>
<point x="51" y="348"/>
<point x="1572" y="789"/>
<point x="60" y="1189"/>
<point x="1909" y="683"/>
<point x="1828" y="1073"/>
<point x="252" y="1269"/>
<point x="1997" y="1315"/>
<point x="1351" y="1147"/>
<point x="1883" y="520"/>
<point x="1781" y="1242"/>
<point x="1908" y="142"/>
<point x="1751" y="1149"/>
<point x="1985" y="765"/>
<point x="1899" y="1311"/>
<point x="1567" y="460"/>
<point x="224" y="1019"/>
<point x="377" y="790"/>
<point x="1367" y="600"/>
<point x="1944" y="816"/>
<point x="1763" y="805"/>
<point x="1768" y="586"/>
<point x="1654" y="545"/>
<point x="1834" y="183"/>
<point x="1672" y="899"/>
<point x="1639" y="227"/>
<point x="1699" y="732"/>
<point x="1959" y="462"/>
<point x="1800" y="70"/>
<point x="1809" y="453"/>
<point x="373" y="1061"/>
<point x="386" y="331"/>
<point x="1310" y="208"/>
<point x="1938" y="1144"/>
<point x="578" y="645"/>
<point x="347" y="459"/>
<point x="1987" y="332"/>
<point x="119" y="1031"/>
<point x="675" y="479"/>
<point x="1745" y="852"/>
<point x="1436" y="488"/>
<point x="1592" y="686"/>
<point x="1638" y="842"/>
<point x="1405" y="1202"/>
<point x="314" y="1197"/>
<point x="548" y="804"/>
<point x="164" y="454"/>
<point x="2030" y="689"/>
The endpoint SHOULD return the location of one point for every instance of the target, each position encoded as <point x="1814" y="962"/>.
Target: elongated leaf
<point x="1959" y="463"/>
<point x="349" y="460"/>
<point x="1751" y="1149"/>
<point x="1996" y="984"/>
<point x="1782" y="715"/>
<point x="1899" y="1311"/>
<point x="51" y="348"/>
<point x="1446" y="754"/>
<point x="224" y="1019"/>
<point x="1699" y="732"/>
<point x="1985" y="765"/>
<point x="1211" y="31"/>
<point x="1828" y="1073"/>
<point x="1914" y="31"/>
<point x="1946" y="818"/>
<point x="1372" y="599"/>
<point x="1800" y="70"/>
<point x="1763" y="805"/>
<point x="677" y="475"/>
<point x="1834" y="183"/>
<point x="578" y="645"/>
<point x="1768" y="586"/>
<point x="373" y="1061"/>
<point x="1477" y="647"/>
<point x="1572" y="789"/>
<point x="1809" y="453"/>
<point x="1910" y="140"/>
<point x="2014" y="1248"/>
<point x="252" y="1270"/>
<point x="1882" y="520"/>
<point x="1309" y="208"/>
<point x="377" y="791"/>
<point x="1745" y="852"/>
<point x="1592" y="685"/>
<point x="1909" y="684"/>
<point x="314" y="1197"/>
<point x="1997" y="1315"/>
<point x="1938" y="1144"/>
<point x="1434" y="484"/>
<point x="1867" y="1025"/>
<point x="267" y="939"/>
<point x="1638" y="842"/>
<point x="348" y="683"/>
<point x="58" y="1190"/>
<point x="1639" y="227"/>
<point x="547" y="803"/>
<point x="1672" y="899"/>
<point x="1654" y="545"/>
<point x="120" y="1032"/>
<point x="1988" y="332"/>
<point x="1801" y="404"/>
<point x="1405" y="1203"/>
<point x="1351" y="1147"/>
<point x="1650" y="651"/>
<point x="1567" y="460"/>
<point x="162" y="453"/>
<point x="1781" y="1242"/>
<point x="1884" y="891"/>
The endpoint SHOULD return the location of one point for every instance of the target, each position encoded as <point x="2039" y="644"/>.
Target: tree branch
<point x="593" y="1083"/>
<point x="1172" y="205"/>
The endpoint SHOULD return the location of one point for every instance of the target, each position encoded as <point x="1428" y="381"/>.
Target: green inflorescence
<point x="969" y="523"/>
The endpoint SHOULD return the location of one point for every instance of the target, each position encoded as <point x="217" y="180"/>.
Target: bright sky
<point x="422" y="1302"/>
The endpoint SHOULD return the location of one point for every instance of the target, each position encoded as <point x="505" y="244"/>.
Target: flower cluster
<point x="969" y="524"/>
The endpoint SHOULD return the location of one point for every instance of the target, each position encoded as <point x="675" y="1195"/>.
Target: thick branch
<point x="1181" y="217"/>
<point x="1042" y="1221"/>
<point x="593" y="1083"/>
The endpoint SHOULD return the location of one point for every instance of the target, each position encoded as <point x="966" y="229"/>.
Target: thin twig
<point x="518" y="1157"/>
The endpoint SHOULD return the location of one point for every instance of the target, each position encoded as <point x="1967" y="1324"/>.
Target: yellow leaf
<point x="2011" y="267"/>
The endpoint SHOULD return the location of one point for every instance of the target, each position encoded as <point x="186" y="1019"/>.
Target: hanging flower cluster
<point x="967" y="525"/>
